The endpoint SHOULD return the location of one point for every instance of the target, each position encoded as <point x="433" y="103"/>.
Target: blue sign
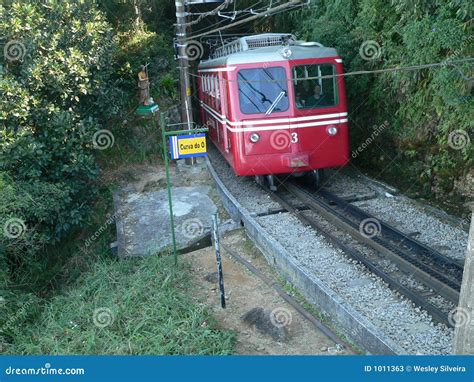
<point x="188" y="146"/>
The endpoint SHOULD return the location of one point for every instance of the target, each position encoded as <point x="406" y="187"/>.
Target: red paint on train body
<point x="264" y="112"/>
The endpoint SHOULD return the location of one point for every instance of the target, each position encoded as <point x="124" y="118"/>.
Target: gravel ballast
<point x="407" y="325"/>
<point x="405" y="214"/>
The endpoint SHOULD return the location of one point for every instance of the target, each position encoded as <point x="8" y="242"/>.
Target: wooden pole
<point x="463" y="316"/>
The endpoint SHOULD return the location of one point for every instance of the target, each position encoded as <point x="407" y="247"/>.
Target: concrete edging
<point x="342" y="315"/>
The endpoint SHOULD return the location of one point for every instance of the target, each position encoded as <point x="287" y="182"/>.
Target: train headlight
<point x="286" y="52"/>
<point x="254" y="138"/>
<point x="332" y="130"/>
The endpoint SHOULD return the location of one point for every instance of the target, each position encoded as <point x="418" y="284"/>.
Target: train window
<point x="217" y="87"/>
<point x="262" y="90"/>
<point x="311" y="89"/>
<point x="218" y="93"/>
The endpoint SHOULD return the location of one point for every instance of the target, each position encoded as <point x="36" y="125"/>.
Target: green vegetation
<point x="422" y="107"/>
<point x="68" y="73"/>
<point x="138" y="306"/>
<point x="71" y="74"/>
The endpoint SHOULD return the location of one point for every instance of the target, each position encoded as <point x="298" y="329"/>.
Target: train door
<point x="299" y="90"/>
<point x="221" y="107"/>
<point x="316" y="102"/>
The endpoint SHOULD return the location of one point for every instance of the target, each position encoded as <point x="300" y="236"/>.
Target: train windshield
<point x="262" y="90"/>
<point x="312" y="90"/>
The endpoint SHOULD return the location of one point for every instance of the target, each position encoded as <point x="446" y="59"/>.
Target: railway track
<point x="425" y="276"/>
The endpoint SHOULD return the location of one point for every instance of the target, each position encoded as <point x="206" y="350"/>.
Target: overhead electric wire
<point x="451" y="63"/>
<point x="290" y="4"/>
<point x="223" y="21"/>
<point x="209" y="13"/>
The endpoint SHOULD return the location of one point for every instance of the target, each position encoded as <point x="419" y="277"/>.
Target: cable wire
<point x="209" y="13"/>
<point x="291" y="4"/>
<point x="376" y="71"/>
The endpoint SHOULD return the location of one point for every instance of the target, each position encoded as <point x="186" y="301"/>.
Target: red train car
<point x="273" y="105"/>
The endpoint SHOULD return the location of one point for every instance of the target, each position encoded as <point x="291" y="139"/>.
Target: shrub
<point x="57" y="86"/>
<point x="423" y="108"/>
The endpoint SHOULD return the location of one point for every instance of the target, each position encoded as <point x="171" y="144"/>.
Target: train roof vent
<point x="252" y="42"/>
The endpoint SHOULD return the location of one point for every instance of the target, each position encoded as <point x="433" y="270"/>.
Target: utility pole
<point x="464" y="314"/>
<point x="185" y="83"/>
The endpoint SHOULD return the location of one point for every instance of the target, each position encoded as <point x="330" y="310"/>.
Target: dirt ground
<point x="271" y="325"/>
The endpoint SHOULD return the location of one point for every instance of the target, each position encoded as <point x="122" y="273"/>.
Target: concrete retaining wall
<point x="342" y="315"/>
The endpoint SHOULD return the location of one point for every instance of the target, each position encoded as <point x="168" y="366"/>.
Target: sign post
<point x="183" y="144"/>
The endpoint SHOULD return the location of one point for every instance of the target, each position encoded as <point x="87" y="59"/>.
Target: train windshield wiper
<point x="274" y="103"/>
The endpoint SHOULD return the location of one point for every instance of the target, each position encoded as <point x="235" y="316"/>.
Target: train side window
<point x="208" y="90"/>
<point x="218" y="92"/>
<point x="262" y="90"/>
<point x="213" y="91"/>
<point x="312" y="90"/>
<point x="204" y="88"/>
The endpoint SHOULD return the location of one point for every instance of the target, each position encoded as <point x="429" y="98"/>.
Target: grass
<point x="145" y="299"/>
<point x="137" y="306"/>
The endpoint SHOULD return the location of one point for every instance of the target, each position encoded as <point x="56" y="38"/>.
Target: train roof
<point x="267" y="47"/>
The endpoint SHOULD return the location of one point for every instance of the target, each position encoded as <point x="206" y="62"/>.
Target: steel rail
<point x="395" y="234"/>
<point x="437" y="314"/>
<point x="437" y="281"/>
<point x="328" y="332"/>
